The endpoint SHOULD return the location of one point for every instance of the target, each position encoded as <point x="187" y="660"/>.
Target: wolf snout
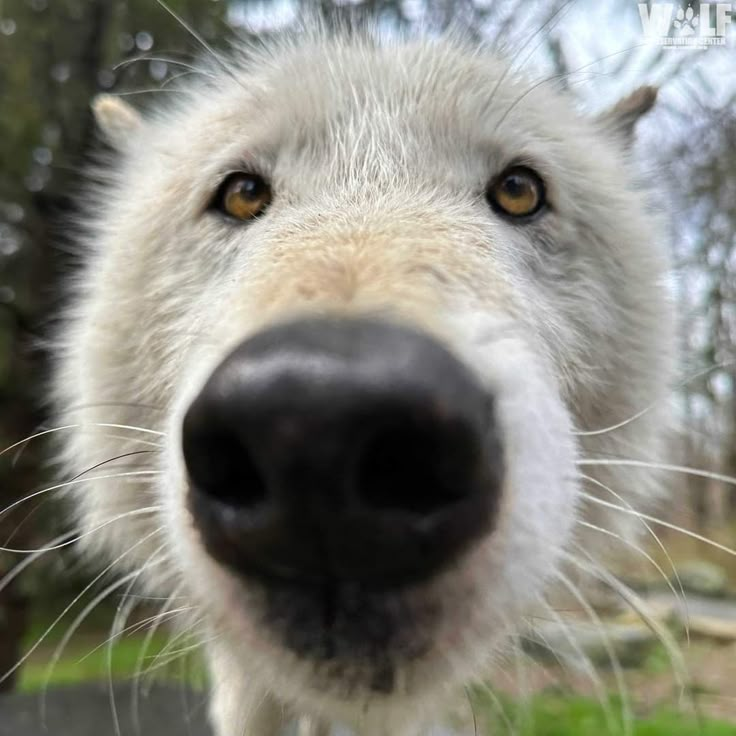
<point x="328" y="450"/>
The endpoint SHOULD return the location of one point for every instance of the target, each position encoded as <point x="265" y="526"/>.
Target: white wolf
<point x="388" y="314"/>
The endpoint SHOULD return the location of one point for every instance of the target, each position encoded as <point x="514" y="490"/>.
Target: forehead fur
<point x="333" y="91"/>
<point x="350" y="110"/>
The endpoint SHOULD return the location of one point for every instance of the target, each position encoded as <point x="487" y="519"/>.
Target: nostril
<point x="355" y="451"/>
<point x="412" y="468"/>
<point x="221" y="467"/>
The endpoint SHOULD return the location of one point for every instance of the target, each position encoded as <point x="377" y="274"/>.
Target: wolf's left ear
<point x="621" y="119"/>
<point x="116" y="119"/>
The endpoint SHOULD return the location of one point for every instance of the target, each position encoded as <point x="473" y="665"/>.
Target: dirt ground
<point x="709" y="679"/>
<point x="86" y="711"/>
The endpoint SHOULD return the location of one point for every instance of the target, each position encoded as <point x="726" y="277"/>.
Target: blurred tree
<point x="54" y="57"/>
<point x="702" y="165"/>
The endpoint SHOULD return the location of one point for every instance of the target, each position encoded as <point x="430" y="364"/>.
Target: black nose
<point x="357" y="450"/>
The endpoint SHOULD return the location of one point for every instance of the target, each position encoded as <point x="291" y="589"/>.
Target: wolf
<point x="366" y="331"/>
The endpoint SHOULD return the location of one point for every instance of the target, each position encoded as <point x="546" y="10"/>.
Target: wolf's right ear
<point x="116" y="119"/>
<point x="621" y="119"/>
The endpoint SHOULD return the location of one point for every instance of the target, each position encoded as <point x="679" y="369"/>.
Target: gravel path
<point x="86" y="711"/>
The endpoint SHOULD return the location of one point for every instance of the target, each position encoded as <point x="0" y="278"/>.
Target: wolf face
<point x="374" y="302"/>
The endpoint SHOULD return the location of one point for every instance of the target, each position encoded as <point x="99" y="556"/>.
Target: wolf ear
<point x="116" y="119"/>
<point x="621" y="119"/>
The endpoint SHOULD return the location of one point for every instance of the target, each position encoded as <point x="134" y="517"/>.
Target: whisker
<point x="637" y="549"/>
<point x="610" y="651"/>
<point x="111" y="405"/>
<point x="78" y="480"/>
<point x="166" y="60"/>
<point x="172" y="79"/>
<point x="114" y="519"/>
<point x="552" y="22"/>
<point x="677" y="660"/>
<point x="73" y="628"/>
<point x="497" y="706"/>
<point x="176" y="654"/>
<point x="523" y="715"/>
<point x="472" y="711"/>
<point x="168" y="656"/>
<point x="124" y="609"/>
<point x="104" y="435"/>
<point x="565" y="75"/>
<point x="76" y="599"/>
<point x="109" y="460"/>
<point x="184" y="695"/>
<point x="600" y="690"/>
<point x="684" y="469"/>
<point x="140" y="659"/>
<point x="66" y="427"/>
<point x="23" y="521"/>
<point x="659" y="543"/>
<point x="168" y="650"/>
<point x="79" y="475"/>
<point x="517" y="54"/>
<point x="159" y="598"/>
<point x="137" y="440"/>
<point x="149" y="91"/>
<point x="650" y="407"/>
<point x="164" y="616"/>
<point x="200" y="40"/>
<point x="137" y="626"/>
<point x="659" y="522"/>
<point x="23" y="564"/>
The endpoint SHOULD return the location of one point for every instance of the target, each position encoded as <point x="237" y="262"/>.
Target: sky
<point x="596" y="36"/>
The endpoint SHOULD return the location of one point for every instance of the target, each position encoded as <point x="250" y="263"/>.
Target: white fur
<point x="378" y="156"/>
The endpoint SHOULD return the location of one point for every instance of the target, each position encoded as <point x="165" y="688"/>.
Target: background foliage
<point x="55" y="55"/>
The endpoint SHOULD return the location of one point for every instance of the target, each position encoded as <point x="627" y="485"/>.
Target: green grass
<point x="82" y="662"/>
<point x="553" y="713"/>
<point x="550" y="714"/>
<point x="87" y="656"/>
<point x="560" y="714"/>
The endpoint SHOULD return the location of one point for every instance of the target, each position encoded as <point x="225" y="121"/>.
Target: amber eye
<point x="518" y="192"/>
<point x="243" y="196"/>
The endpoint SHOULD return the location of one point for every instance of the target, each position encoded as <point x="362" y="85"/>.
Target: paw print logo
<point x="686" y="21"/>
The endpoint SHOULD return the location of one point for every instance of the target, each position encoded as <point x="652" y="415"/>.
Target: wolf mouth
<point x="346" y="631"/>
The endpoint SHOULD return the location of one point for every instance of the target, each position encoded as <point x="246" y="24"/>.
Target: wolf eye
<point x="518" y="192"/>
<point x="243" y="196"/>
